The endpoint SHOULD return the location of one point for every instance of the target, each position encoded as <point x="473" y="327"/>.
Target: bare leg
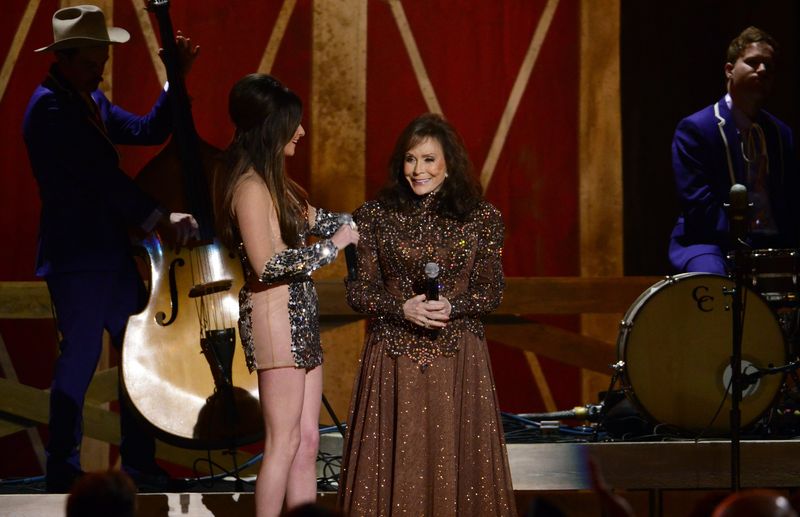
<point x="302" y="485"/>
<point x="281" y="392"/>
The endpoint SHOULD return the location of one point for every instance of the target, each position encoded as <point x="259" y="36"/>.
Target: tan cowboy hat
<point x="82" y="26"/>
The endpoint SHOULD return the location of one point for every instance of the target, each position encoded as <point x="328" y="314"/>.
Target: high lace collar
<point x="426" y="202"/>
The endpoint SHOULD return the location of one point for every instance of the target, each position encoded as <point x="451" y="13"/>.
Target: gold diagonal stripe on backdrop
<point x="494" y="153"/>
<point x="275" y="39"/>
<point x="150" y="39"/>
<point x="10" y="373"/>
<point x="516" y="93"/>
<point x="279" y="29"/>
<point x="541" y="382"/>
<point x="16" y="45"/>
<point x="416" y="60"/>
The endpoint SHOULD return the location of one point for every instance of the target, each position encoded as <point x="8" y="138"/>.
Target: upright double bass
<point x="182" y="368"/>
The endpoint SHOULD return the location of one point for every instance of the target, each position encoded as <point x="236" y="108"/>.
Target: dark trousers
<point x="86" y="303"/>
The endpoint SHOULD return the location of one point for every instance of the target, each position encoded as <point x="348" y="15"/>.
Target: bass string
<point x="211" y="308"/>
<point x="223" y="310"/>
<point x="198" y="280"/>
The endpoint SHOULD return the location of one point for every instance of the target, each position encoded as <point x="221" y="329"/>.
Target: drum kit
<point x="675" y="345"/>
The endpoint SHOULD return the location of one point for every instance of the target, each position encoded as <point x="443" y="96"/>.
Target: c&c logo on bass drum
<point x="704" y="301"/>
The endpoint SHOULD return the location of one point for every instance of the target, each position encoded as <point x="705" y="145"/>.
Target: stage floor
<point x="658" y="478"/>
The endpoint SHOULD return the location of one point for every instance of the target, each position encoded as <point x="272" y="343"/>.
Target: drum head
<point x="676" y="341"/>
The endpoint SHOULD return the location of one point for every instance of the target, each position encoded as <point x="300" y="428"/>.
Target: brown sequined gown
<point x="424" y="435"/>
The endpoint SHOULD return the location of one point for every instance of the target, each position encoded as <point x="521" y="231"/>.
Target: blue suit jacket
<point x="707" y="160"/>
<point x="88" y="202"/>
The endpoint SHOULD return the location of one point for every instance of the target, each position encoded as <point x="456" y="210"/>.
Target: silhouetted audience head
<point x="755" y="503"/>
<point x="540" y="507"/>
<point x="612" y="505"/>
<point x="103" y="494"/>
<point x="313" y="510"/>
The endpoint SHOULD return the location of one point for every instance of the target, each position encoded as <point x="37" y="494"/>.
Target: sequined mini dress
<point x="278" y="305"/>
<point x="424" y="435"/>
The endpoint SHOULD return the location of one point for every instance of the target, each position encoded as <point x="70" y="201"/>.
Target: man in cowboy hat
<point x="88" y="206"/>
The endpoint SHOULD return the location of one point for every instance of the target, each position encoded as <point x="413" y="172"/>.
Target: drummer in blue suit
<point x="89" y="206"/>
<point x="735" y="141"/>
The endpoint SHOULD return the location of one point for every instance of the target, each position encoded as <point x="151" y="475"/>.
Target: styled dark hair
<point x="459" y="194"/>
<point x="266" y="115"/>
<point x="103" y="494"/>
<point x="746" y="37"/>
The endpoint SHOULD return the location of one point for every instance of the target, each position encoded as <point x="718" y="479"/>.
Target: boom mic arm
<point x="590" y="412"/>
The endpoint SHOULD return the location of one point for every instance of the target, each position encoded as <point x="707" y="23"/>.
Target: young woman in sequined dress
<point x="424" y="434"/>
<point x="265" y="214"/>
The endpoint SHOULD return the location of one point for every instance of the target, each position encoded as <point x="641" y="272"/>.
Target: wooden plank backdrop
<point x="532" y="85"/>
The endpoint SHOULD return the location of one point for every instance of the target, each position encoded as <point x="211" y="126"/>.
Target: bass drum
<point x="675" y="341"/>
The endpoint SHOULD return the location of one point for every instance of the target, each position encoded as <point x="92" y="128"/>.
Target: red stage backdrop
<point x="474" y="54"/>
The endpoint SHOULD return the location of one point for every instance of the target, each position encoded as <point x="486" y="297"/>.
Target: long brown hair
<point x="266" y="115"/>
<point x="459" y="194"/>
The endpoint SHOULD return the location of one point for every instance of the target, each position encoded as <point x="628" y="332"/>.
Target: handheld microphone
<point x="432" y="281"/>
<point x="738" y="209"/>
<point x="350" y="256"/>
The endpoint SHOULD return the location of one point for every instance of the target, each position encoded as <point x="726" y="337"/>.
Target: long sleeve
<point x="705" y="163"/>
<point x="266" y="252"/>
<point x="123" y="127"/>
<point x="76" y="166"/>
<point x="486" y="280"/>
<point x="704" y="216"/>
<point x="324" y="223"/>
<point x="367" y="294"/>
<point x="88" y="202"/>
<point x="394" y="247"/>
<point x="293" y="262"/>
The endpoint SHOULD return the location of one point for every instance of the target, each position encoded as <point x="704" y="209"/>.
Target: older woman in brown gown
<point x="424" y="435"/>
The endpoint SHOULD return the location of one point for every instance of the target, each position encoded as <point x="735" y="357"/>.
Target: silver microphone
<point x="350" y="256"/>
<point x="432" y="281"/>
<point x="738" y="209"/>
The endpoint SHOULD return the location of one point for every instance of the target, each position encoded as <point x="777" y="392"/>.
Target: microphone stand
<point x="753" y="377"/>
<point x="736" y="365"/>
<point x="738" y="221"/>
